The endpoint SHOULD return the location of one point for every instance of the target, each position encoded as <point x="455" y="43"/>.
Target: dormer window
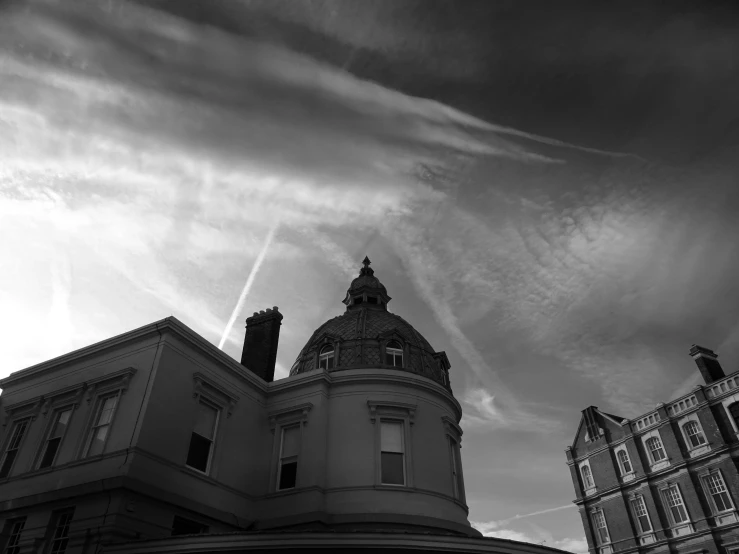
<point x="371" y="300"/>
<point x="394" y="354"/>
<point x="358" y="300"/>
<point x="326" y="357"/>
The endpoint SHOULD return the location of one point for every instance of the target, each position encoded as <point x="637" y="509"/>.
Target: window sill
<point x="605" y="549"/>
<point x="726" y="518"/>
<point x="699" y="451"/>
<point x="659" y="465"/>
<point x="682" y="529"/>
<point x="647" y="538"/>
<point x="591" y="491"/>
<point x="628" y="477"/>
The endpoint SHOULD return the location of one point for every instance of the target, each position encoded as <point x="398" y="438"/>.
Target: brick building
<point x="157" y="441"/>
<point x="665" y="481"/>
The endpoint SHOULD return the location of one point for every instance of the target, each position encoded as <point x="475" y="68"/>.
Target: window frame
<point x="11" y="533"/>
<point x="633" y="501"/>
<point x="218" y="409"/>
<point x="395" y="352"/>
<point x="398" y="411"/>
<point x="596" y="515"/>
<point x="278" y="420"/>
<point x="618" y="450"/>
<point x="56" y="411"/>
<point x="95" y="414"/>
<point x="403" y="446"/>
<point x="665" y="495"/>
<point x="329" y="357"/>
<point x="281" y="460"/>
<point x="53" y="538"/>
<point x="655" y="465"/>
<point x="704" y="477"/>
<point x="8" y="439"/>
<point x="587" y="490"/>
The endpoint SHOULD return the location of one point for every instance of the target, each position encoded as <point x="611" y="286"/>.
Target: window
<point x="457" y="482"/>
<point x="601" y="530"/>
<point x="14" y="444"/>
<point x="202" y="438"/>
<point x="623" y="462"/>
<point x="289" y="448"/>
<point x="587" y="477"/>
<point x="641" y="515"/>
<point x="101" y="426"/>
<point x="394" y="354"/>
<point x="358" y="300"/>
<point x="54" y="439"/>
<point x="326" y="357"/>
<point x="392" y="463"/>
<point x="734" y="412"/>
<point x="674" y="501"/>
<point x="371" y="300"/>
<point x="13" y="530"/>
<point x="714" y="484"/>
<point x="654" y="447"/>
<point x="61" y="532"/>
<point x="693" y="434"/>
<point x="182" y="526"/>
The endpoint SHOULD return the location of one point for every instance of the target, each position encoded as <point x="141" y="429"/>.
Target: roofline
<point x="171" y="324"/>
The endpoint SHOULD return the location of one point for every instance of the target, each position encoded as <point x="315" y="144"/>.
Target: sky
<point x="547" y="190"/>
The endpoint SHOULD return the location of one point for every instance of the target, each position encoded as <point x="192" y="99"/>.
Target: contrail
<point x="558" y="508"/>
<point x="249" y="282"/>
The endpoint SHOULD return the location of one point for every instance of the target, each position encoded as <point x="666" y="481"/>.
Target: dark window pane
<point x="392" y="468"/>
<point x="389" y="359"/>
<point x="197" y="456"/>
<point x="644" y="522"/>
<point x="7" y="463"/>
<point x="331" y="362"/>
<point x="50" y="452"/>
<point x="358" y="300"/>
<point x="288" y="474"/>
<point x="371" y="300"/>
<point x="182" y="526"/>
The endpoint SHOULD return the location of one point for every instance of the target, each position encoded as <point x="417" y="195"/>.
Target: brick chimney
<point x="260" y="343"/>
<point x="706" y="361"/>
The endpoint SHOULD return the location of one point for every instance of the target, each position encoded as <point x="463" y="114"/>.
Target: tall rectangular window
<point x="13" y="530"/>
<point x="60" y="539"/>
<point x="624" y="462"/>
<point x="601" y="530"/>
<point x="456" y="469"/>
<point x="587" y="477"/>
<point x="202" y="438"/>
<point x="289" y="448"/>
<point x="655" y="449"/>
<point x="11" y="449"/>
<point x="101" y="425"/>
<point x="641" y="515"/>
<point x="392" y="463"/>
<point x="54" y="438"/>
<point x="716" y="488"/>
<point x="674" y="501"/>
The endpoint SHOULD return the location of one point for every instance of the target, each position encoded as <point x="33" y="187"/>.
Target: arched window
<point x="587" y="477"/>
<point x="656" y="452"/>
<point x="694" y="434"/>
<point x="294" y="368"/>
<point x="394" y="354"/>
<point x="624" y="462"/>
<point x="326" y="357"/>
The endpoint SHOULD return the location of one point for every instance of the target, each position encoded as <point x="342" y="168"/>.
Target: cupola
<point x="366" y="291"/>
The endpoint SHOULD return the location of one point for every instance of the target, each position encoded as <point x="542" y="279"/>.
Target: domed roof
<point x="362" y="335"/>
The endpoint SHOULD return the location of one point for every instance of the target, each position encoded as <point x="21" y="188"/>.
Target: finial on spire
<point x="366" y="261"/>
<point x="366" y="270"/>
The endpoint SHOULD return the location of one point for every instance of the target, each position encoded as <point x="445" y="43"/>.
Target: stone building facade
<point x="157" y="441"/>
<point x="665" y="481"/>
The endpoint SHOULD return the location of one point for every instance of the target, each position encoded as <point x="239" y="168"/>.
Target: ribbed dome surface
<point x="359" y="337"/>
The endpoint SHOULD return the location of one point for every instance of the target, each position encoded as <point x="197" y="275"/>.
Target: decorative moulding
<point x="389" y="408"/>
<point x="116" y="380"/>
<point x="451" y="426"/>
<point x="293" y="414"/>
<point x="204" y="386"/>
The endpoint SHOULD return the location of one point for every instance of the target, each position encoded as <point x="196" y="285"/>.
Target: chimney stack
<point x="260" y="343"/>
<point x="706" y="361"/>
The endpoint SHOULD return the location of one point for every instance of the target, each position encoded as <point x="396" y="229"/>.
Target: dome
<point x="367" y="335"/>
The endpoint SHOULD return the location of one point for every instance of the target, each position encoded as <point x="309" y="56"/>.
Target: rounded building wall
<point x="343" y="440"/>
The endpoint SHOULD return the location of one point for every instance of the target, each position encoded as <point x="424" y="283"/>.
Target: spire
<point x="367" y="290"/>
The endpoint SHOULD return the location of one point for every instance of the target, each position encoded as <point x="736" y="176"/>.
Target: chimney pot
<point x="260" y="343"/>
<point x="707" y="362"/>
